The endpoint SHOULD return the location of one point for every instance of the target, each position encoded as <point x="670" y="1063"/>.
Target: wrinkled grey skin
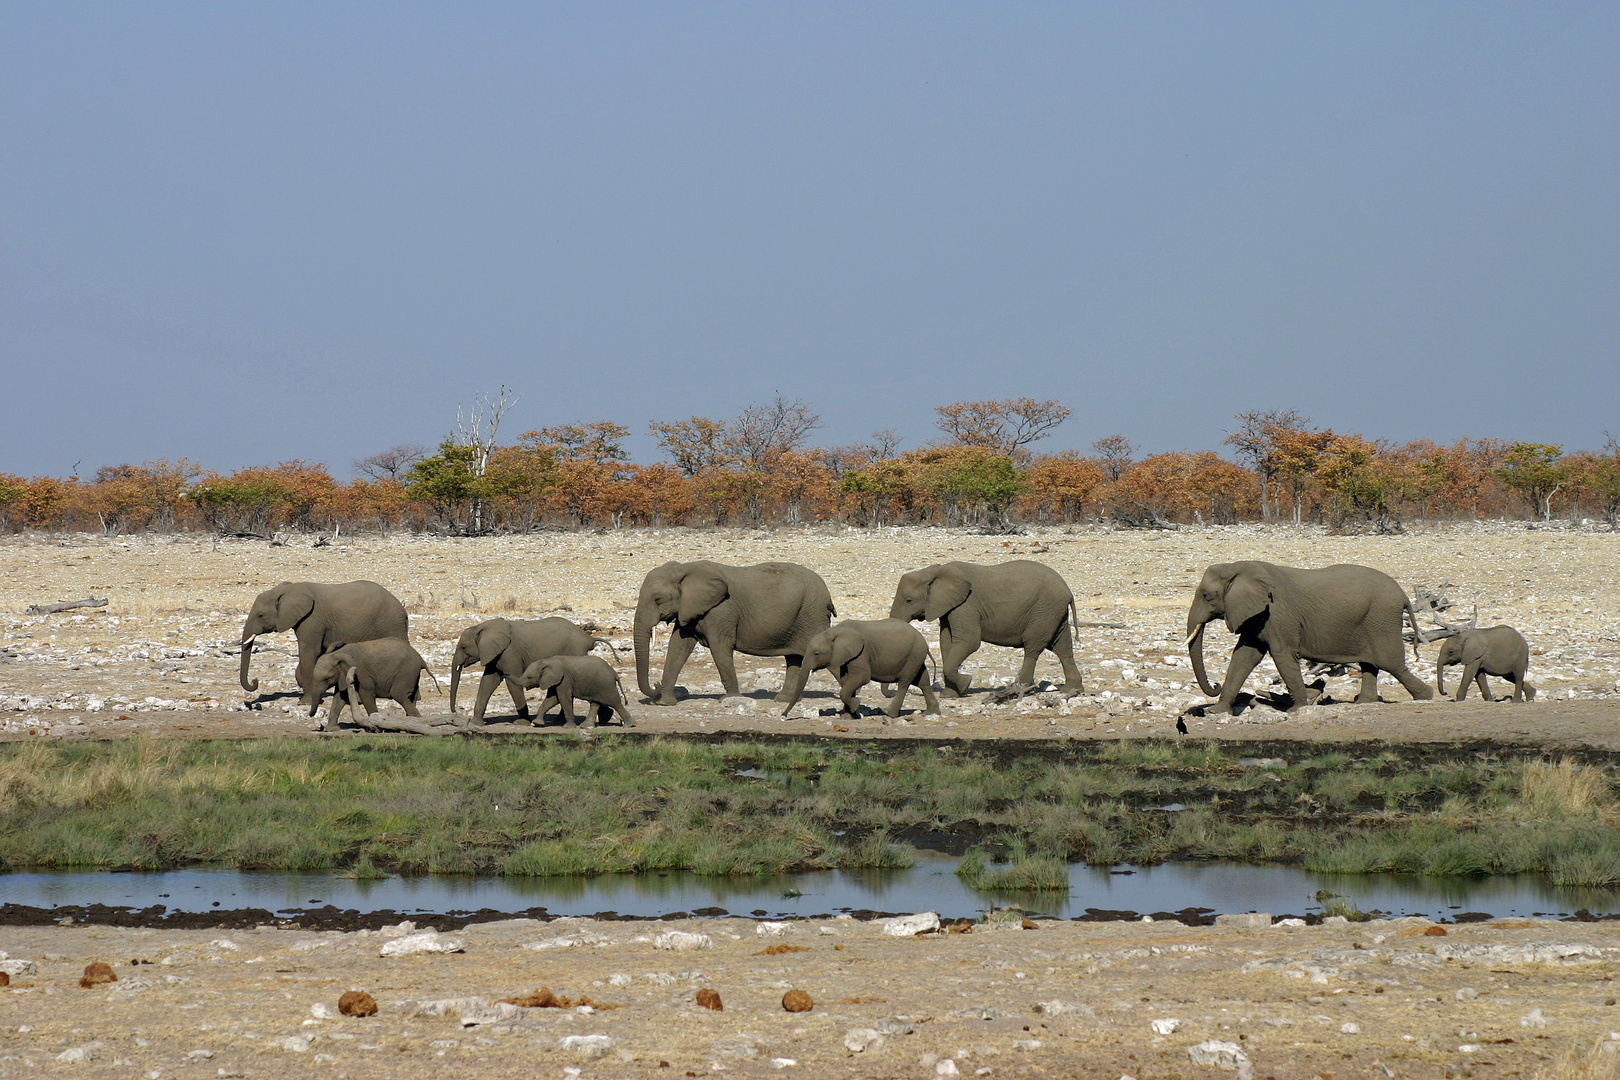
<point x="1344" y="614"/>
<point x="1020" y="604"/>
<point x="319" y="616"/>
<point x="772" y="609"/>
<point x="858" y="652"/>
<point x="1495" y="650"/>
<point x="506" y="647"/>
<point x="385" y="668"/>
<point x="589" y="678"/>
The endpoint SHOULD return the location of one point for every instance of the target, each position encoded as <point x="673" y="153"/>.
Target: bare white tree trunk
<point x="476" y="426"/>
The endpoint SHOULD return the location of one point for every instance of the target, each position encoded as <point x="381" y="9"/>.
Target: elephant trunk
<point x="1195" y="653"/>
<point x="646" y="619"/>
<point x="247" y="656"/>
<point x="455" y="682"/>
<point x="1440" y="673"/>
<point x="795" y="690"/>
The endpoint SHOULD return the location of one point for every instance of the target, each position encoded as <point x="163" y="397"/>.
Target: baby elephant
<point x="1498" y="650"/>
<point x="857" y="652"/>
<point x="587" y="677"/>
<point x="384" y="668"/>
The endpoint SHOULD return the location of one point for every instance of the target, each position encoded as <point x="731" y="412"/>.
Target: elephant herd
<point x="352" y="637"/>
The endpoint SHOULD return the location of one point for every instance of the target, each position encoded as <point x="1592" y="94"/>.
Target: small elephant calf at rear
<point x="1496" y="650"/>
<point x="857" y="652"/>
<point x="385" y="668"/>
<point x="588" y="677"/>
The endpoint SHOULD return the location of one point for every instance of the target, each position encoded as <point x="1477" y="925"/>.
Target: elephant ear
<point x="492" y="639"/>
<point x="334" y="647"/>
<point x="701" y="590"/>
<point x="1246" y="597"/>
<point x="946" y="593"/>
<point x="846" y="647"/>
<point x="293" y="605"/>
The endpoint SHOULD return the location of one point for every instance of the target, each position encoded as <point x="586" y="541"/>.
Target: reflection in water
<point x="930" y="885"/>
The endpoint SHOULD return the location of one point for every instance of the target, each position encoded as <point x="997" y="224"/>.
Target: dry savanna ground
<point x="159" y="659"/>
<point x="1526" y="998"/>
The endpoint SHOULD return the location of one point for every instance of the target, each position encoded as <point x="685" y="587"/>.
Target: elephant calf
<point x="1497" y="650"/>
<point x="384" y="668"/>
<point x="587" y="677"/>
<point x="858" y="652"/>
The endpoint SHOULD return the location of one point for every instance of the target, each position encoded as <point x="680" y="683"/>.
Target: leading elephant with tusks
<point x="1342" y="614"/>
<point x="772" y="609"/>
<point x="321" y="615"/>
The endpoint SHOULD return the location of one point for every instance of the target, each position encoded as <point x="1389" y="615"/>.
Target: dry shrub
<point x="543" y="998"/>
<point x="96" y="974"/>
<point x="1567" y="789"/>
<point x="1594" y="1063"/>
<point x="710" y="999"/>
<point x="780" y="950"/>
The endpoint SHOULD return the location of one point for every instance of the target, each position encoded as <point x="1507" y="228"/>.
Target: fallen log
<point x="52" y="609"/>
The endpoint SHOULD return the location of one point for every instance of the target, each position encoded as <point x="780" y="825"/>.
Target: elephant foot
<point x="523" y="714"/>
<point x="1366" y="699"/>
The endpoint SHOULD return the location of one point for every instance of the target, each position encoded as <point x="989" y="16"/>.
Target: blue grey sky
<point x="248" y="232"/>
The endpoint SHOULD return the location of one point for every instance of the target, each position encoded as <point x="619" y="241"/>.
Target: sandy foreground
<point x="159" y="659"/>
<point x="1378" y="999"/>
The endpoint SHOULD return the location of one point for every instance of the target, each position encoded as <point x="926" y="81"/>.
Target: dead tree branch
<point x="52" y="609"/>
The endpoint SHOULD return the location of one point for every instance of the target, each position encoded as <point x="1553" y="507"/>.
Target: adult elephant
<point x="321" y="616"/>
<point x="506" y="648"/>
<point x="772" y="609"/>
<point x="1021" y="604"/>
<point x="1344" y="614"/>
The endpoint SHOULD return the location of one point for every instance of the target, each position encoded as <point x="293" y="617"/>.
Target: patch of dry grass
<point x="1565" y="790"/>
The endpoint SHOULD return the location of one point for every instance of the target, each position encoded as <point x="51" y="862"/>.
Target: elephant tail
<point x="595" y="641"/>
<point x="437" y="689"/>
<point x="1418" y="636"/>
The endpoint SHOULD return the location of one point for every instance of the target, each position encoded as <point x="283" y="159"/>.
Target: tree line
<point x="762" y="467"/>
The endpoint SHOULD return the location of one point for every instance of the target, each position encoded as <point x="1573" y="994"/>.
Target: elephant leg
<point x="926" y="685"/>
<point x="1244" y="659"/>
<point x="1063" y="648"/>
<point x="592" y="714"/>
<point x="544" y="709"/>
<point x="369" y="699"/>
<point x="848" y="688"/>
<point x="909" y="677"/>
<point x="725" y="662"/>
<point x="408" y="703"/>
<point x="1420" y="690"/>
<point x="680" y="648"/>
<point x="1293" y="681"/>
<point x="961" y="646"/>
<point x="795" y="661"/>
<point x="520" y="700"/>
<point x="1525" y="687"/>
<point x="1484" y="689"/>
<point x="486" y="687"/>
<point x="1369" y="685"/>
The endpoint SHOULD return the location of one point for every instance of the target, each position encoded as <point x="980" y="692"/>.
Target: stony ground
<point x="159" y="659"/>
<point x="1399" y="998"/>
<point x="1374" y="1000"/>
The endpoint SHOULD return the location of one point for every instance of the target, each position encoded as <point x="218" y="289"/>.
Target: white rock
<point x="14" y="968"/>
<point x="586" y="1045"/>
<point x="1166" y="1026"/>
<point x="619" y="978"/>
<point x="771" y="929"/>
<point x="199" y="1055"/>
<point x="1290" y="922"/>
<point x="1251" y="919"/>
<point x="322" y="1011"/>
<point x="861" y="1039"/>
<point x="489" y="1014"/>
<point x="681" y="941"/>
<point x="1467" y="993"/>
<point x="1063" y="1008"/>
<point x="297" y="1044"/>
<point x="1350" y="1027"/>
<point x="947" y="1068"/>
<point x="1222" y="1055"/>
<point x="1533" y="1019"/>
<point x="782" y="1063"/>
<point x="225" y="943"/>
<point x="446" y="1006"/>
<point x="77" y="1055"/>
<point x="923" y="922"/>
<point x="428" y="941"/>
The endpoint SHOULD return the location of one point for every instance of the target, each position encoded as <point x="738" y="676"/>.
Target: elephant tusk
<point x="1192" y="637"/>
